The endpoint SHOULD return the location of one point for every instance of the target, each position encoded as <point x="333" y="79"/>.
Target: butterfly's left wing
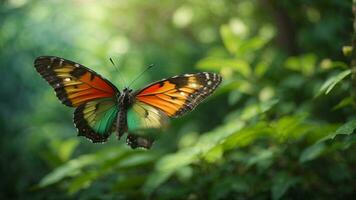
<point x="144" y="116"/>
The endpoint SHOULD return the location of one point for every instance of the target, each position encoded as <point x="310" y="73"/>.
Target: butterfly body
<point x="101" y="108"/>
<point x="125" y="101"/>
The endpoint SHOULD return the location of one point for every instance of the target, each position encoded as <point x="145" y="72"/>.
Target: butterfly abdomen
<point x="125" y="102"/>
<point x="121" y="127"/>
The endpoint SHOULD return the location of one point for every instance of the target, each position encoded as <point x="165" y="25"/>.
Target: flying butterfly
<point x="102" y="109"/>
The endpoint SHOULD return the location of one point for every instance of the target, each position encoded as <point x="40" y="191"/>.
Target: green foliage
<point x="332" y="81"/>
<point x="281" y="125"/>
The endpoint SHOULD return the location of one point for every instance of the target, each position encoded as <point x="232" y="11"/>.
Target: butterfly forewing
<point x="177" y="95"/>
<point x="74" y="84"/>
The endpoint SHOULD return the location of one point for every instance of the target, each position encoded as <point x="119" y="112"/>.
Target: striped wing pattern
<point x="78" y="86"/>
<point x="95" y="119"/>
<point x="178" y="95"/>
<point x="95" y="99"/>
<point x="74" y="84"/>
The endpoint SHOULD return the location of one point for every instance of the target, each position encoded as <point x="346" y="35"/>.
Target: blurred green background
<point x="279" y="127"/>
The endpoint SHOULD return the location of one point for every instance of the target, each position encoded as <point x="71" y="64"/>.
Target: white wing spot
<point x="48" y="66"/>
<point x="209" y="82"/>
<point x="182" y="93"/>
<point x="67" y="79"/>
<point x="214" y="77"/>
<point x="187" y="75"/>
<point x="206" y="75"/>
<point x="76" y="65"/>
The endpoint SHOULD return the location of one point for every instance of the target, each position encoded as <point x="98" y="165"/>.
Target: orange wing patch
<point x="180" y="94"/>
<point x="74" y="84"/>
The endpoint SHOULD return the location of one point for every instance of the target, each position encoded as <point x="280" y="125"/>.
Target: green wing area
<point x="143" y="116"/>
<point x="95" y="119"/>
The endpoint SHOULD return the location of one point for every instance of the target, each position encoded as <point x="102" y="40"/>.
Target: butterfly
<point x="102" y="109"/>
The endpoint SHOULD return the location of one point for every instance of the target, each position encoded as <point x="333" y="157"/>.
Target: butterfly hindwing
<point x="74" y="84"/>
<point x="144" y="116"/>
<point x="95" y="119"/>
<point x="178" y="95"/>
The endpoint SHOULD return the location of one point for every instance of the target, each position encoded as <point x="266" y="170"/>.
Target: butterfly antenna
<point x="149" y="67"/>
<point x="118" y="71"/>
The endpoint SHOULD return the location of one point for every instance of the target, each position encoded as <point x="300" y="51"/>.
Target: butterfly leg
<point x="135" y="141"/>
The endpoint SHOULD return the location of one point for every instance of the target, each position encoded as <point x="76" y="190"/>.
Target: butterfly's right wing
<point x="78" y="86"/>
<point x="73" y="83"/>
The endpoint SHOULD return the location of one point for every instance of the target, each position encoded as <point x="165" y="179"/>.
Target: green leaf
<point x="238" y="44"/>
<point x="346" y="129"/>
<point x="170" y="163"/>
<point x="246" y="136"/>
<point x="289" y="127"/>
<point x="305" y="64"/>
<point x="332" y="82"/>
<point x="267" y="105"/>
<point x="214" y="154"/>
<point x="66" y="148"/>
<point x="237" y="65"/>
<point x="251" y="45"/>
<point x="82" y="181"/>
<point x="343" y="103"/>
<point x="136" y="160"/>
<point x="120" y="161"/>
<point x="75" y="166"/>
<point x="69" y="169"/>
<point x="229" y="39"/>
<point x="312" y="152"/>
